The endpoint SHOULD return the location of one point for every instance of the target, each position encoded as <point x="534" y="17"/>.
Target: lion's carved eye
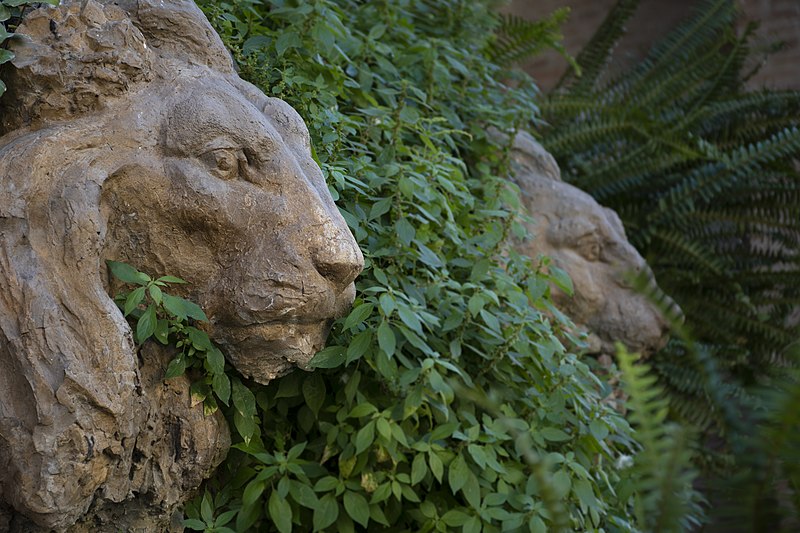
<point x="224" y="162"/>
<point x="589" y="247"/>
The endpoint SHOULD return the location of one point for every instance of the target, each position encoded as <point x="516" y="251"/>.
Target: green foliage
<point x="453" y="402"/>
<point x="663" y="473"/>
<point x="11" y="12"/>
<point x="703" y="176"/>
<point x="172" y="320"/>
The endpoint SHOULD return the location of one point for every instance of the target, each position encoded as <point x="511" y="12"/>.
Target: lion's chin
<point x="264" y="352"/>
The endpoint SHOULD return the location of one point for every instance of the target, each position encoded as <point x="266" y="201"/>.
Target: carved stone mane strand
<point x="120" y="124"/>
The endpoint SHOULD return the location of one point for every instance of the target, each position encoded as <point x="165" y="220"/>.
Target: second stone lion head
<point x="588" y="241"/>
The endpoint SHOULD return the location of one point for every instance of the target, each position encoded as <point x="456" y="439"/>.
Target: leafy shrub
<point x="451" y="401"/>
<point x="171" y="320"/>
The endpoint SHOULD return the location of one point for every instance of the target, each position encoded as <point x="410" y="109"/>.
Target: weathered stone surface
<point x="128" y="136"/>
<point x="588" y="241"/>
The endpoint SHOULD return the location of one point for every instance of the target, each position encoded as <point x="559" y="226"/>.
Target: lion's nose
<point x="337" y="256"/>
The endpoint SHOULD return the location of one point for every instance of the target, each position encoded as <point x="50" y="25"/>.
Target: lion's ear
<point x="84" y="54"/>
<point x="178" y="30"/>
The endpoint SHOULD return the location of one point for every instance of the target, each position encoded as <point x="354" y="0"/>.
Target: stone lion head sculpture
<point x="127" y="135"/>
<point x="588" y="241"/>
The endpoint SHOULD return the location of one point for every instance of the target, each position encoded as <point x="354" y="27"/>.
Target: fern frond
<point x="664" y="465"/>
<point x="518" y="38"/>
<point x="596" y="53"/>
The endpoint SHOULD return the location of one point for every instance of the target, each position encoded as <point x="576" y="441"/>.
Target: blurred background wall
<point x="780" y="21"/>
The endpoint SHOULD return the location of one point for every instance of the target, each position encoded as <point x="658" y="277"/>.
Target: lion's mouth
<point x="267" y="351"/>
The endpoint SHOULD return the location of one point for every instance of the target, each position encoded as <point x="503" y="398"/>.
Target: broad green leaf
<point x="476" y="303"/>
<point x="210" y="405"/>
<point x="490" y="320"/>
<point x="362" y="409"/>
<point x="562" y="280"/>
<point x="437" y="467"/>
<point x="478" y="455"/>
<point x="359" y="346"/>
<point x="455" y="518"/>
<point x="287" y="40"/>
<point x="409" y="115"/>
<point x="245" y="425"/>
<point x="216" y="361"/>
<point x="536" y="525"/>
<point x="281" y="512"/>
<point x="303" y="494"/>
<point x="472" y="490"/>
<point x="418" y="469"/>
<point x="561" y="483"/>
<point x="199" y="339"/>
<point x="327" y="512"/>
<point x="479" y="270"/>
<point x="183" y="309"/>
<point x="224" y="518"/>
<point x="326" y="484"/>
<point x="388" y="304"/>
<point x="194" y="524"/>
<point x="126" y="273"/>
<point x="206" y="509"/>
<point x="409" y="318"/>
<point x="175" y="368"/>
<point x="330" y="357"/>
<point x="598" y="429"/>
<point x="458" y="473"/>
<point x="314" y="392"/>
<point x="583" y="490"/>
<point x="384" y="429"/>
<point x="324" y="37"/>
<point x="254" y="43"/>
<point x="358" y="315"/>
<point x="386" y="339"/>
<point x="133" y="300"/>
<point x="247" y="517"/>
<point x="473" y="525"/>
<point x="6" y="55"/>
<point x="357" y="507"/>
<point x="221" y="384"/>
<point x="554" y="434"/>
<point x="243" y="398"/>
<point x="146" y="324"/>
<point x="376" y="32"/>
<point x="161" y="332"/>
<point x="155" y="293"/>
<point x="365" y="437"/>
<point x="170" y="279"/>
<point x="198" y="392"/>
<point x="405" y="231"/>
